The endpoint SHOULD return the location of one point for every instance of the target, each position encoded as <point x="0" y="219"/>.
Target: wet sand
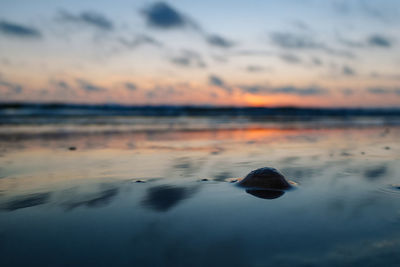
<point x="163" y="196"/>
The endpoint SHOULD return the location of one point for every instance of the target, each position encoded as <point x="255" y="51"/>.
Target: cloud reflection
<point x="164" y="197"/>
<point x="26" y="201"/>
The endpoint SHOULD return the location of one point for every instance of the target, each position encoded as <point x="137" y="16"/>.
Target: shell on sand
<point x="265" y="178"/>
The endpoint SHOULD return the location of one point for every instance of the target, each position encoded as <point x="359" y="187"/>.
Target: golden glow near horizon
<point x="176" y="53"/>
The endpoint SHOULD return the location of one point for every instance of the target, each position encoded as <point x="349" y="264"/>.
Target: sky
<point x="333" y="53"/>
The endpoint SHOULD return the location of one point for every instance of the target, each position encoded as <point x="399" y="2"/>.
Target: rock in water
<point x="265" y="178"/>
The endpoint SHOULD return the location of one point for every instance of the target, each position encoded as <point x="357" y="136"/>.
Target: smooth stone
<point x="265" y="178"/>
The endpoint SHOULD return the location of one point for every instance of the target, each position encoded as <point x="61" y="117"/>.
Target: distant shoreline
<point x="66" y="109"/>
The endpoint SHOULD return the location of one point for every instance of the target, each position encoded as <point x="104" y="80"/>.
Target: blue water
<point x="165" y="197"/>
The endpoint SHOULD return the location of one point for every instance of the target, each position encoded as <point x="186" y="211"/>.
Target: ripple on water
<point x="393" y="189"/>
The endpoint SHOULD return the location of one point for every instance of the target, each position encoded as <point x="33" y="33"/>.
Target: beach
<point x="165" y="194"/>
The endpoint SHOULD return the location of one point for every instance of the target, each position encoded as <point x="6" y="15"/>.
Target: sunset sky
<point x="337" y="53"/>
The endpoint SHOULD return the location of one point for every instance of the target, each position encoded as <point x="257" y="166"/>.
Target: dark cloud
<point x="11" y="87"/>
<point x="298" y="91"/>
<point x="375" y="40"/>
<point x="130" y="86"/>
<point x="91" y="18"/>
<point x="290" y="58"/>
<point x="216" y="81"/>
<point x="18" y="30"/>
<point x="304" y="42"/>
<point x="26" y="201"/>
<point x="289" y="90"/>
<point x="219" y="41"/>
<point x="188" y="58"/>
<point x="219" y="82"/>
<point x="61" y="84"/>
<point x="348" y="71"/>
<point x="140" y="40"/>
<point x="89" y="87"/>
<point x="294" y="41"/>
<point x="163" y="16"/>
<point x="379" y="40"/>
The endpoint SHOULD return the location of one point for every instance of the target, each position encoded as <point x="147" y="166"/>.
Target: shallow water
<point x="162" y="196"/>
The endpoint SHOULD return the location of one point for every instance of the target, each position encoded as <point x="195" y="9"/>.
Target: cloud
<point x="294" y="41"/>
<point x="219" y="82"/>
<point x="216" y="81"/>
<point x="219" y="41"/>
<point x="12" y="87"/>
<point x="316" y="61"/>
<point x="383" y="90"/>
<point x="304" y="42"/>
<point x="90" y="18"/>
<point x="383" y="11"/>
<point x="18" y="30"/>
<point x="140" y="40"/>
<point x="375" y="40"/>
<point x="378" y="91"/>
<point x="255" y="68"/>
<point x="288" y="90"/>
<point x="290" y="58"/>
<point x="163" y="16"/>
<point x="379" y="40"/>
<point x="348" y="71"/>
<point x="130" y="86"/>
<point x="89" y="87"/>
<point x="61" y="84"/>
<point x="188" y="58"/>
<point x="162" y="92"/>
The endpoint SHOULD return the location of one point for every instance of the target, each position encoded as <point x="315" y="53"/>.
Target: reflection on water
<point x="98" y="199"/>
<point x="265" y="193"/>
<point x="26" y="201"/>
<point x="165" y="198"/>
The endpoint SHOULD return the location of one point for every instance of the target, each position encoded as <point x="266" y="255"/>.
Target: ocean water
<point x="151" y="191"/>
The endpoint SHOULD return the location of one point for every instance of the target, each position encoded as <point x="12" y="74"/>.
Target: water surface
<point x="160" y="193"/>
